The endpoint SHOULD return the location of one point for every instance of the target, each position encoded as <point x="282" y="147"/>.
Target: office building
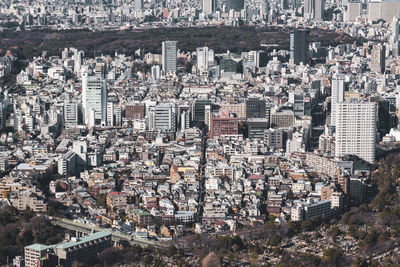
<point x="321" y="208"/>
<point x="299" y="41"/>
<point x="138" y="5"/>
<point x="169" y="56"/>
<point x="223" y="123"/>
<point x="273" y="138"/>
<point x="110" y="114"/>
<point x="256" y="128"/>
<point x="94" y="98"/>
<point x="378" y="58"/>
<point x="205" y="58"/>
<point x="282" y="118"/>
<point x="337" y="95"/>
<point x="67" y="164"/>
<point x="135" y="111"/>
<point x="236" y="5"/>
<point x="255" y="108"/>
<point x="199" y="110"/>
<point x="383" y="9"/>
<point x="161" y="117"/>
<point x="209" y="6"/>
<point x="354" y="9"/>
<point x="356" y="130"/>
<point x="34" y="252"/>
<point x="70" y="114"/>
<point x="314" y="9"/>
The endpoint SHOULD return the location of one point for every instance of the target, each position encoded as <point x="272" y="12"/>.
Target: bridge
<point x="82" y="229"/>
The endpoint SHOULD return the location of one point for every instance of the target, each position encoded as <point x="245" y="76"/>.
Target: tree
<point x="275" y="240"/>
<point x="172" y="251"/>
<point x="332" y="256"/>
<point x="211" y="260"/>
<point x="110" y="256"/>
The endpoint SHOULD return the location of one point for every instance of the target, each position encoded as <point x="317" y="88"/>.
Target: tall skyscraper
<point x="314" y="9"/>
<point x="337" y="95"/>
<point x="138" y="5"/>
<point x="209" y="6"/>
<point x="169" y="56"/>
<point x="299" y="46"/>
<point x="236" y="5"/>
<point x="356" y="130"/>
<point x="378" y="58"/>
<point x="94" y="98"/>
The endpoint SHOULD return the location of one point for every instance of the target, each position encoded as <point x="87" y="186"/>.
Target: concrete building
<point x="337" y="95"/>
<point x="321" y="208"/>
<point x="34" y="252"/>
<point x="282" y="118"/>
<point x="67" y="164"/>
<point x="378" y="58"/>
<point x="223" y="123"/>
<point x="94" y="98"/>
<point x="209" y="6"/>
<point x="356" y="130"/>
<point x="299" y="40"/>
<point x="27" y="199"/>
<point x="169" y="56"/>
<point x="273" y="138"/>
<point x="256" y="128"/>
<point x="70" y="114"/>
<point x="255" y="108"/>
<point x="162" y="117"/>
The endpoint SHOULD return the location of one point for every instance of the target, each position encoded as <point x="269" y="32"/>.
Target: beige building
<point x="27" y="199"/>
<point x="117" y="199"/>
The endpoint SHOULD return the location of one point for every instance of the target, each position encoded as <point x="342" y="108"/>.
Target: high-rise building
<point x="70" y="114"/>
<point x="255" y="108"/>
<point x="236" y="5"/>
<point x="256" y="128"/>
<point x="378" y="58"/>
<point x="169" y="56"/>
<point x="354" y="9"/>
<point x="199" y="109"/>
<point x="209" y="6"/>
<point x="314" y="9"/>
<point x="138" y="5"/>
<point x="110" y="114"/>
<point x="94" y="98"/>
<point x="337" y="95"/>
<point x="223" y="124"/>
<point x="162" y="117"/>
<point x="395" y="28"/>
<point x="299" y="46"/>
<point x="356" y="130"/>
<point x="205" y="58"/>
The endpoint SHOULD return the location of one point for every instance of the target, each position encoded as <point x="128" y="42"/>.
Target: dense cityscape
<point x="211" y="133"/>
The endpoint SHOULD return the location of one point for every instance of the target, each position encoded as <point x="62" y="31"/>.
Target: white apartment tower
<point x="169" y="56"/>
<point x="205" y="58"/>
<point x="94" y="97"/>
<point x="337" y="95"/>
<point x="356" y="130"/>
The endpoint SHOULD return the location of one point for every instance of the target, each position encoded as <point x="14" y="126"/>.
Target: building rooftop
<point x="83" y="240"/>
